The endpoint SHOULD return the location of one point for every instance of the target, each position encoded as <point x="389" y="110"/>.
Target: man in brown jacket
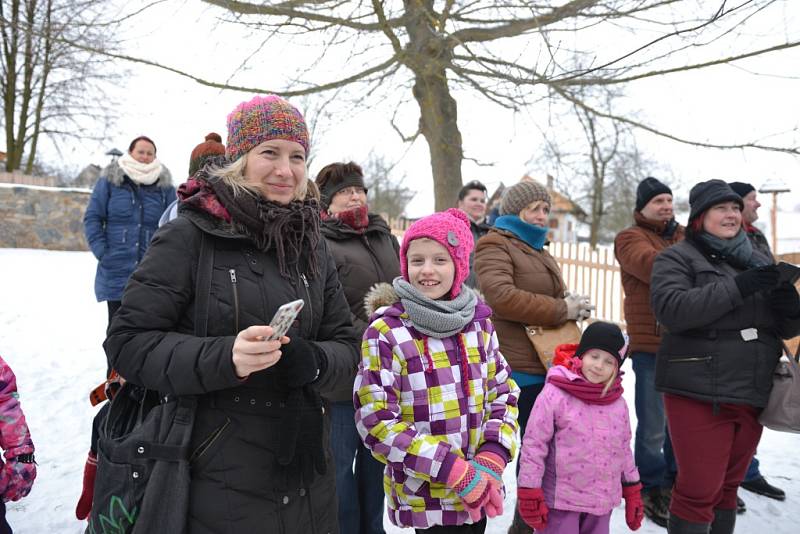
<point x="636" y="248"/>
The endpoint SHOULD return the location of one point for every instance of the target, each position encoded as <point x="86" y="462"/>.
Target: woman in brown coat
<point x="522" y="283"/>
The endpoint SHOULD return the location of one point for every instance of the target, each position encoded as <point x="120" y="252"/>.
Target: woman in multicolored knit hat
<point x="523" y="285"/>
<point x="259" y="448"/>
<point x="434" y="399"/>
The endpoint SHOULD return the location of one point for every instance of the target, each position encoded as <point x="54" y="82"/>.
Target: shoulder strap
<point x="205" y="266"/>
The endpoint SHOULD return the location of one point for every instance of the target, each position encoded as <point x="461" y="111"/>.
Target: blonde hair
<point x="232" y="175"/>
<point x="608" y="383"/>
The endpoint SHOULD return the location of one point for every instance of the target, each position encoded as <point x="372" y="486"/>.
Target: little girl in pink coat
<point x="576" y="460"/>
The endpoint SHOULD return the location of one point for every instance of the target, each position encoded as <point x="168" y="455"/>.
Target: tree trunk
<point x="438" y="124"/>
<point x="426" y="55"/>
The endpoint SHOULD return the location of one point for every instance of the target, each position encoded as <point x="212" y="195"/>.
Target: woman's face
<point x="143" y="151"/>
<point x="430" y="268"/>
<point x="474" y="205"/>
<point x="598" y="366"/>
<point x="537" y="212"/>
<point x="276" y="168"/>
<point x="723" y="220"/>
<point x="347" y="199"/>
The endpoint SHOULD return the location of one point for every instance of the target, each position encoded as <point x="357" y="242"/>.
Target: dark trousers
<point x="652" y="448"/>
<point x="713" y="451"/>
<point x="527" y="398"/>
<point x="4" y="527"/>
<point x="474" y="528"/>
<point x="359" y="476"/>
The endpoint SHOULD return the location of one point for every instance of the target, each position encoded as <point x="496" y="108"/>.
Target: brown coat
<point x="636" y="249"/>
<point x="524" y="287"/>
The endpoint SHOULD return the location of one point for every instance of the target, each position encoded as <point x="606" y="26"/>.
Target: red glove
<point x="634" y="508"/>
<point x="84" y="507"/>
<point x="532" y="507"/>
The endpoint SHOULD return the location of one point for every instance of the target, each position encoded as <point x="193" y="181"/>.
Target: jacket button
<point x="285" y="499"/>
<point x="236" y="398"/>
<point x="252" y="402"/>
<point x="302" y="492"/>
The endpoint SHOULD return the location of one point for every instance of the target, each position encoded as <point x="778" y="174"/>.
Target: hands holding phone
<point x="251" y="351"/>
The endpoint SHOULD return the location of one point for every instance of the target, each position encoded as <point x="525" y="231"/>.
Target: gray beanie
<point x="520" y="195"/>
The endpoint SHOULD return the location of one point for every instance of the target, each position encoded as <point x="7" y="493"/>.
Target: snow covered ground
<point x="51" y="330"/>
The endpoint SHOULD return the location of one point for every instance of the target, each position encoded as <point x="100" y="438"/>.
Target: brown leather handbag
<point x="545" y="339"/>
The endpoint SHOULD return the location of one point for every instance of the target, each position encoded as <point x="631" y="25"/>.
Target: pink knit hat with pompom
<point x="450" y="229"/>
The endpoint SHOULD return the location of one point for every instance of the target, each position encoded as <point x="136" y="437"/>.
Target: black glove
<point x="756" y="279"/>
<point x="784" y="300"/>
<point x="300" y="364"/>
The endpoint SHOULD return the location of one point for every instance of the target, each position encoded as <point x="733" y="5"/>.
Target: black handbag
<point x="143" y="471"/>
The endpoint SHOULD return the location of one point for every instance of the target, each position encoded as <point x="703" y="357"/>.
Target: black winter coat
<point x="237" y="485"/>
<point x="703" y="353"/>
<point x="362" y="260"/>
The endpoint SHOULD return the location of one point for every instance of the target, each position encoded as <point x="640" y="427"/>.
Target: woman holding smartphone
<point x="260" y="452"/>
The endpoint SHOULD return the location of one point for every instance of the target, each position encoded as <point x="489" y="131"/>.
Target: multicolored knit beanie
<point x="261" y="119"/>
<point x="450" y="229"/>
<point x="211" y="147"/>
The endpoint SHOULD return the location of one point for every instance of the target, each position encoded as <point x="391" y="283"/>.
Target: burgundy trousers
<point x="712" y="451"/>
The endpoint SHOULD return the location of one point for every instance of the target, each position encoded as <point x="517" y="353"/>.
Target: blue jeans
<point x="652" y="448"/>
<point x="752" y="471"/>
<point x="360" y="493"/>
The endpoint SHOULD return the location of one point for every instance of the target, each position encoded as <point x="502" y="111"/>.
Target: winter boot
<point x="518" y="526"/>
<point x="724" y="521"/>
<point x="676" y="525"/>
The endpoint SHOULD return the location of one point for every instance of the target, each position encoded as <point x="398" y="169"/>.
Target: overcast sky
<point x="744" y="102"/>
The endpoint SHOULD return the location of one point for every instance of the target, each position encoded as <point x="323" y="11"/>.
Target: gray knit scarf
<point x="436" y="318"/>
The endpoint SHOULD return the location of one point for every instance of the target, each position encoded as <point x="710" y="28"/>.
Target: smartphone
<point x="788" y="272"/>
<point x="284" y="317"/>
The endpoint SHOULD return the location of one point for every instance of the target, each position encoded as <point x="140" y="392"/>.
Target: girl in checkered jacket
<point x="433" y="395"/>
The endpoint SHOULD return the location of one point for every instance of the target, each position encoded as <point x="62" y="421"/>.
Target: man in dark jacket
<point x="472" y="201"/>
<point x="366" y="253"/>
<point x="753" y="480"/>
<point x="636" y="248"/>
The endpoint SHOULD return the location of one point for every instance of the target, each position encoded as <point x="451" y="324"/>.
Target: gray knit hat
<point x="519" y="196"/>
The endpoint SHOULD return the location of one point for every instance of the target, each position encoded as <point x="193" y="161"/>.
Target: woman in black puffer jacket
<point x="261" y="457"/>
<point x="366" y="253"/>
<point x="725" y="313"/>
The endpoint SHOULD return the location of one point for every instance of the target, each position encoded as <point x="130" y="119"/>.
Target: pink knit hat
<point x="260" y="119"/>
<point x="450" y="229"/>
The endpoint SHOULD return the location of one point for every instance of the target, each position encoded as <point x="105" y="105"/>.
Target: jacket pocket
<point x="691" y="373"/>
<point x="210" y="445"/>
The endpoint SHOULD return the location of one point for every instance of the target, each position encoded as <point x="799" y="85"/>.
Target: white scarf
<point x="140" y="173"/>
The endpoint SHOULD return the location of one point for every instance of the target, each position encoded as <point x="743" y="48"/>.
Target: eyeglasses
<point x="350" y="191"/>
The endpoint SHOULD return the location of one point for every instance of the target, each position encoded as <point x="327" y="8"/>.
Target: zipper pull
<point x="233" y="275"/>
<point x="303" y="278"/>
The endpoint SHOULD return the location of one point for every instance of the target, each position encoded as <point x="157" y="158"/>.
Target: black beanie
<point x="649" y="188"/>
<point x="604" y="336"/>
<point x="334" y="177"/>
<point x="710" y="193"/>
<point x="741" y="188"/>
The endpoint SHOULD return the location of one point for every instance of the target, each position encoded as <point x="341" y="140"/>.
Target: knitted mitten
<point x="84" y="507"/>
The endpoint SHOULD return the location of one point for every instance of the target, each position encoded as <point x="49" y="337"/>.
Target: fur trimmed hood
<point x="383" y="295"/>
<point x="115" y="175"/>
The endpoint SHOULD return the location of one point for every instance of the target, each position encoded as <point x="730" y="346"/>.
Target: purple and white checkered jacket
<point x="416" y="410"/>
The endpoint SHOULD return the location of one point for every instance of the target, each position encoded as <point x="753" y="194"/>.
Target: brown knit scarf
<point x="292" y="230"/>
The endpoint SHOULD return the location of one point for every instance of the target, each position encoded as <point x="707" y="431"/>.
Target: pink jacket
<point x="578" y="453"/>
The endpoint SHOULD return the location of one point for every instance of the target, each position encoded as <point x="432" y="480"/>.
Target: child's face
<point x="598" y="366"/>
<point x="430" y="268"/>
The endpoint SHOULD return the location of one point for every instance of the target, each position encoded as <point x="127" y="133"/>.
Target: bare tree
<point x="603" y="164"/>
<point x="49" y="87"/>
<point x="511" y="52"/>
<point x="387" y="194"/>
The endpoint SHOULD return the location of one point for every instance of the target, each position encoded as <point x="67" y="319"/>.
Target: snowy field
<point x="51" y="330"/>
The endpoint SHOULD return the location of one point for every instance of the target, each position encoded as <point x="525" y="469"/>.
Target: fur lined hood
<point x="383" y="295"/>
<point x="115" y="175"/>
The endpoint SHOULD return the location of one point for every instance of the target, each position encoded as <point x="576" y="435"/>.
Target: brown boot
<point x="518" y="526"/>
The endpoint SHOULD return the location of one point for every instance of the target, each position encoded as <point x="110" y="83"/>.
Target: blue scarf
<point x="531" y="234"/>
